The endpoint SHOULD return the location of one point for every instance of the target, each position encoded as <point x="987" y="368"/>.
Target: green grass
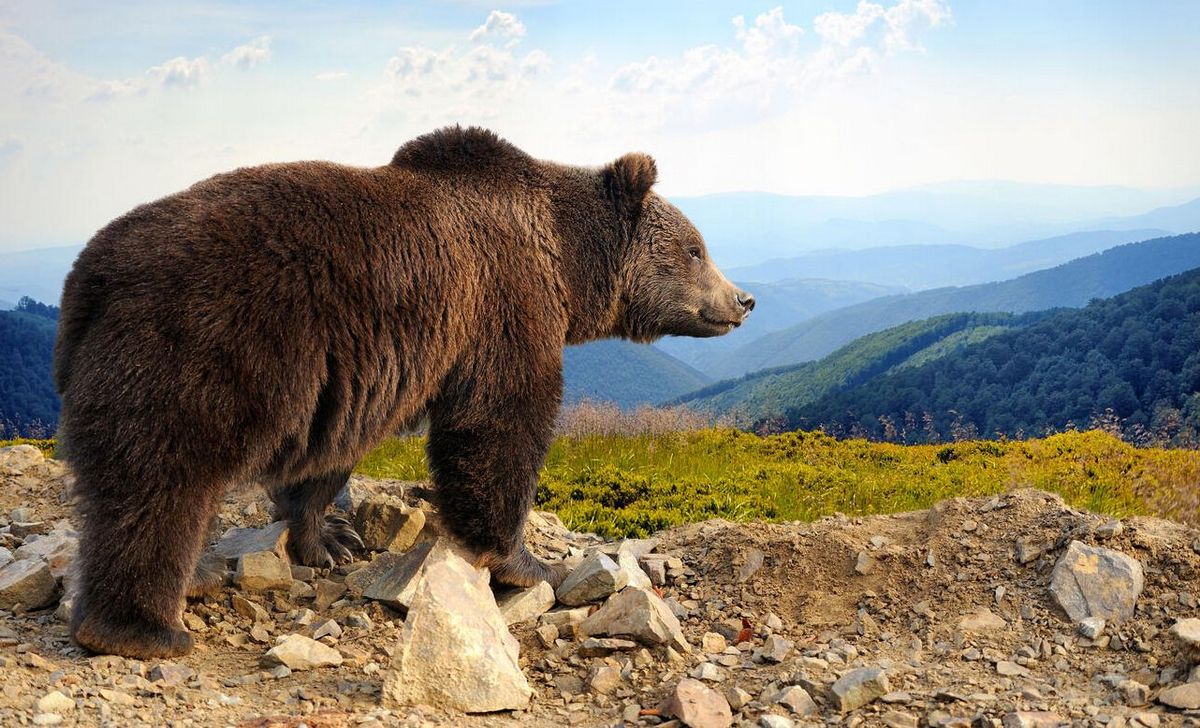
<point x="634" y="485"/>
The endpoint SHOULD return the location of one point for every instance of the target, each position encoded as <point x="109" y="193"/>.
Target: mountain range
<point x="1070" y="284"/>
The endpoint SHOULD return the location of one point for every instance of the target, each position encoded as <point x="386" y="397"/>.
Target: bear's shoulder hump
<point x="454" y="148"/>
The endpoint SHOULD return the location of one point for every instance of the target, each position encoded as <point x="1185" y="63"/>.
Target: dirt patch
<point x="808" y="602"/>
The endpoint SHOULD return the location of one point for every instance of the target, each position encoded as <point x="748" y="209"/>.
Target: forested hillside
<point x="767" y="394"/>
<point x="1137" y="354"/>
<point x="1071" y="284"/>
<point x="28" y="404"/>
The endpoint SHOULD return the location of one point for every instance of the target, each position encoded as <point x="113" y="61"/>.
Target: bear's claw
<point x="334" y="543"/>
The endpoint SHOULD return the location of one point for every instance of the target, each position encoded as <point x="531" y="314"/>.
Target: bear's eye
<point x="696" y="253"/>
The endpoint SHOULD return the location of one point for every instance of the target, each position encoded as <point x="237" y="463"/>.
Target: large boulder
<point x="1092" y="581"/>
<point x="455" y="649"/>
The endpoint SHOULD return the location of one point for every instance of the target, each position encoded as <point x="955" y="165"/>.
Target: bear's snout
<point x="746" y="301"/>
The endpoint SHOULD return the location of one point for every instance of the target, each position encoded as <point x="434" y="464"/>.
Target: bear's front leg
<point x="487" y="441"/>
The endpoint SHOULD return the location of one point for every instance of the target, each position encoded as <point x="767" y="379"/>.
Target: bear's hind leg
<point x="315" y="539"/>
<point x="137" y="556"/>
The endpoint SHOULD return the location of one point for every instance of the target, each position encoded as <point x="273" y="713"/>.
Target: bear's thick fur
<point x="276" y="322"/>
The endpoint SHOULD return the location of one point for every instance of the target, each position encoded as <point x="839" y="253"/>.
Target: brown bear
<point x="275" y="323"/>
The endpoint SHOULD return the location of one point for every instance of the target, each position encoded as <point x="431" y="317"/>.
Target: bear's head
<point x="669" y="285"/>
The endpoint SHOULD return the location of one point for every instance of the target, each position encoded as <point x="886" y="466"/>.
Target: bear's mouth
<point x="724" y="323"/>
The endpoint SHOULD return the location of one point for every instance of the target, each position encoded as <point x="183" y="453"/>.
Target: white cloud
<point x="179" y="71"/>
<point x="468" y="84"/>
<point x="769" y="65"/>
<point x="499" y="25"/>
<point x="331" y="75"/>
<point x="247" y="56"/>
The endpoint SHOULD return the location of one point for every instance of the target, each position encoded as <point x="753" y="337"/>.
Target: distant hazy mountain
<point x="36" y="273"/>
<point x="625" y="373"/>
<point x="1071" y="284"/>
<point x="769" y="393"/>
<point x="1183" y="218"/>
<point x="918" y="267"/>
<point x="780" y="304"/>
<point x="747" y="228"/>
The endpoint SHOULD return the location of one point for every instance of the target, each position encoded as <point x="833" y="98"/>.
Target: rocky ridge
<point x="1014" y="610"/>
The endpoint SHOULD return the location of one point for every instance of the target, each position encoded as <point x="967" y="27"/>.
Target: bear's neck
<point x="591" y="240"/>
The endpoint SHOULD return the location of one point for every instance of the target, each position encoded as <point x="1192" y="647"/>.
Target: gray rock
<point x="1183" y="697"/>
<point x="982" y="620"/>
<point x="736" y="697"/>
<point x="57" y="548"/>
<point x="27" y="582"/>
<point x="397" y="584"/>
<point x="16" y="459"/>
<point x="1008" y="668"/>
<point x="385" y="523"/>
<point x="698" y="706"/>
<point x="633" y="574"/>
<point x="596" y="577"/>
<point x="770" y="720"/>
<point x="708" y="672"/>
<point x="1187" y="631"/>
<point x="897" y="719"/>
<point x="1136" y="694"/>
<point x="754" y="562"/>
<point x="776" y="648"/>
<point x="600" y="646"/>
<point x="170" y="674"/>
<point x="455" y="649"/>
<point x="640" y="615"/>
<point x="298" y="652"/>
<point x="863" y="563"/>
<point x="1092" y="581"/>
<point x="859" y="687"/>
<point x="1092" y="627"/>
<point x="1033" y="719"/>
<point x="55" y="702"/>
<point x="237" y="542"/>
<point x="604" y="680"/>
<point x="262" y="571"/>
<point x="797" y="700"/>
<point x="249" y="609"/>
<point x="6" y="557"/>
<point x="655" y="566"/>
<point x="526" y="605"/>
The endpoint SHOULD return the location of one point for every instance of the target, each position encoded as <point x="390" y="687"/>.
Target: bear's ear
<point x="629" y="179"/>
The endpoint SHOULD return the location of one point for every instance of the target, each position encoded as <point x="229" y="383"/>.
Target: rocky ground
<point x="1014" y="611"/>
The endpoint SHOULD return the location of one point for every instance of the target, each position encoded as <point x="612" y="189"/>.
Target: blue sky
<point x="106" y="105"/>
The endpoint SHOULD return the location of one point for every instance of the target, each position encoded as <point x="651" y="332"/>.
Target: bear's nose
<point x="745" y="300"/>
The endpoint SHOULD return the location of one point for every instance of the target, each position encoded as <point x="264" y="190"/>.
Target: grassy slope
<point x="626" y="485"/>
<point x="635" y="485"/>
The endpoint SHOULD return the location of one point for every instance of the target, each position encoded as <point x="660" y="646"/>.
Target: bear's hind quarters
<point x="129" y="636"/>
